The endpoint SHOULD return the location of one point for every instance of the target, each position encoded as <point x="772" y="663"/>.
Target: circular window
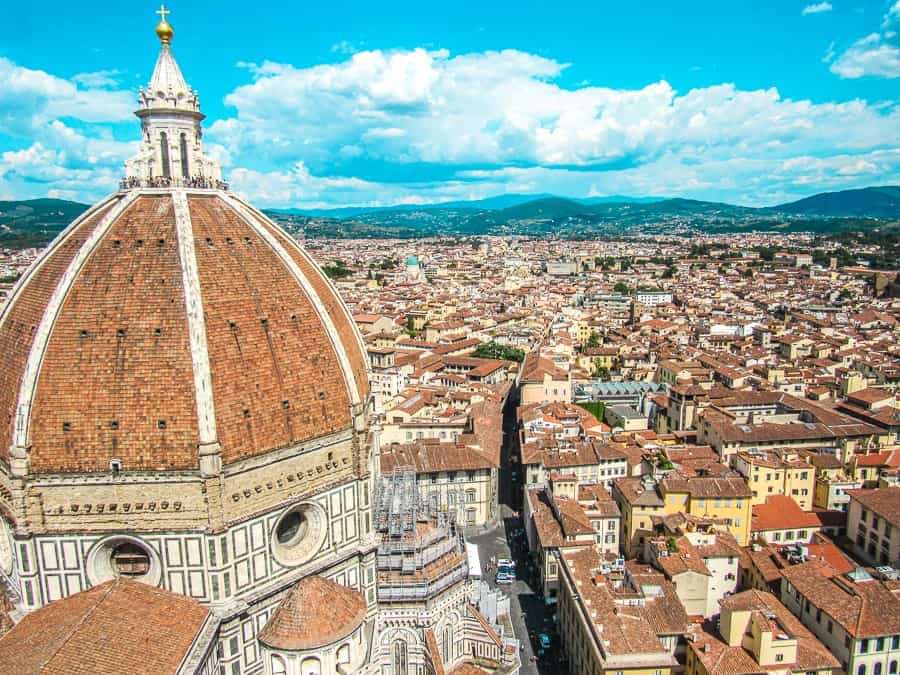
<point x="299" y="534"/>
<point x="292" y="528"/>
<point x="123" y="556"/>
<point x="130" y="560"/>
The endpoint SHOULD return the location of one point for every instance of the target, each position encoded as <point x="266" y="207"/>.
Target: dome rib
<point x="193" y="301"/>
<point x="27" y="389"/>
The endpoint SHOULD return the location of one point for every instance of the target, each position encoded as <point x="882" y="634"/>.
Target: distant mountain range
<point x="35" y="222"/>
<point x="541" y="215"/>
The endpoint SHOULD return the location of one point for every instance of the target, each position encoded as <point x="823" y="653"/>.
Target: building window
<point x="311" y="666"/>
<point x="864" y="646"/>
<point x="879" y="645"/>
<point x="185" y="171"/>
<point x="164" y="149"/>
<point x="892" y="669"/>
<point x="399" y="658"/>
<point x="130" y="560"/>
<point x="779" y="657"/>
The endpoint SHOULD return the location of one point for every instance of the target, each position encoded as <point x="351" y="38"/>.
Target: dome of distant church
<point x="171" y="320"/>
<point x="412" y="260"/>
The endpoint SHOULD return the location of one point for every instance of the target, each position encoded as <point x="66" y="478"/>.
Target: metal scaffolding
<point x="420" y="552"/>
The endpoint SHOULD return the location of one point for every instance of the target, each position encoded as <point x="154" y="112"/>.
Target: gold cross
<point x="162" y="11"/>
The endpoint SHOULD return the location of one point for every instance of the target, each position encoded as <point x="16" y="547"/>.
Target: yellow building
<point x="832" y="483"/>
<point x="722" y="497"/>
<point x="639" y="500"/>
<point x="757" y="634"/>
<point x="777" y="472"/>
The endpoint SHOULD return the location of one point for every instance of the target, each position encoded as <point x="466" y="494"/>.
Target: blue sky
<point x="349" y="103"/>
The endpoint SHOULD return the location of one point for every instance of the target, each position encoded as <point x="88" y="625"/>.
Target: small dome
<point x="412" y="260"/>
<point x="300" y="623"/>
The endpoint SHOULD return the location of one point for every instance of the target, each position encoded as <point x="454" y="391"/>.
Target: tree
<point x="493" y="350"/>
<point x="620" y="287"/>
<point x="410" y="327"/>
<point x="338" y="270"/>
<point x="748" y="273"/>
<point x="593" y="340"/>
<point x="669" y="273"/>
<point x="599" y="371"/>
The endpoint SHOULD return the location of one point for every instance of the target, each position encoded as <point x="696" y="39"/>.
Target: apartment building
<point x="627" y="621"/>
<point x="855" y="616"/>
<point x="777" y="472"/>
<point x="873" y="524"/>
<point x="781" y="521"/>
<point x="757" y="634"/>
<point x="832" y="483"/>
<point x="701" y="561"/>
<point x="726" y="498"/>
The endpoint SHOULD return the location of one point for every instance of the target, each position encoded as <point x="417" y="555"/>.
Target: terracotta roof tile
<point x="120" y="626"/>
<point x="314" y="613"/>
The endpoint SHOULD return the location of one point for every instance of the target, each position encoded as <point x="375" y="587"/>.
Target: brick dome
<point x="169" y="320"/>
<point x="314" y="613"/>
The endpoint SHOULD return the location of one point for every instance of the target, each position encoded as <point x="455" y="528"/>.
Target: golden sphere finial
<point x="164" y="29"/>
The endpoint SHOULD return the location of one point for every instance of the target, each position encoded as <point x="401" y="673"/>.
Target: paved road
<point x="530" y="615"/>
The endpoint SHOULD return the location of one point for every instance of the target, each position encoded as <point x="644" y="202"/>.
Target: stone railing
<point x="197" y="182"/>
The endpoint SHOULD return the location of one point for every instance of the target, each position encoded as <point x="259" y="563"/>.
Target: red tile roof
<point x="315" y="612"/>
<point x="120" y="626"/>
<point x="782" y="513"/>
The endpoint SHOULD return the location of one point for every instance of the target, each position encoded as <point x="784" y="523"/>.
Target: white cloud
<point x="500" y="108"/>
<point x="98" y="79"/>
<point x="817" y="8"/>
<point x="60" y="132"/>
<point x="876" y="54"/>
<point x="346" y="47"/>
<point x="417" y="126"/>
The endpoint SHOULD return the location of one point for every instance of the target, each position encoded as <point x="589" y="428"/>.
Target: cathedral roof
<point x="120" y="626"/>
<point x="167" y="320"/>
<point x="300" y="623"/>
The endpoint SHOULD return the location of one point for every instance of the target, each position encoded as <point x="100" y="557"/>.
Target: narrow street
<point x="506" y="539"/>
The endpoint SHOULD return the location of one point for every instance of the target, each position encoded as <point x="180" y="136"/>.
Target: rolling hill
<point x="871" y="202"/>
<point x="36" y="222"/>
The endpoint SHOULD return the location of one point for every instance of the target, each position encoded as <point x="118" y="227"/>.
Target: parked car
<point x="544" y="640"/>
<point x="503" y="578"/>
